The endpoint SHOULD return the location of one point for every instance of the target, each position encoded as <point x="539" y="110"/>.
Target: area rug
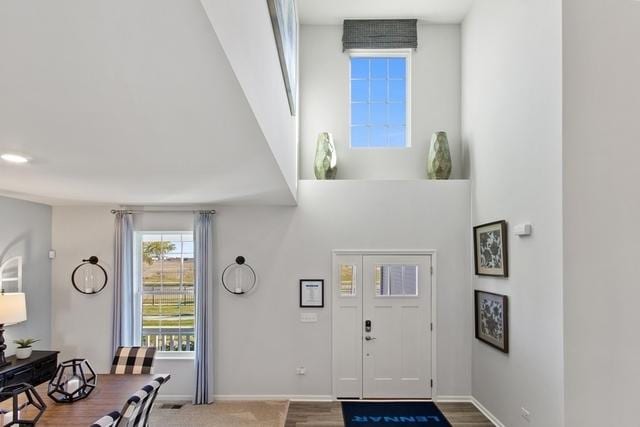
<point x="392" y="414"/>
<point x="220" y="414"/>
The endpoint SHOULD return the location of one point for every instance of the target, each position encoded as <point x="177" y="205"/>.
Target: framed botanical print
<point x="311" y="293"/>
<point x="492" y="319"/>
<point x="490" y="249"/>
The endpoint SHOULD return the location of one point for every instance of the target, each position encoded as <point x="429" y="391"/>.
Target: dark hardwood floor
<point x="329" y="414"/>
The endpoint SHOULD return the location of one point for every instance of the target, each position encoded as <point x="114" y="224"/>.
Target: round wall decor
<point x="239" y="278"/>
<point x="89" y="277"/>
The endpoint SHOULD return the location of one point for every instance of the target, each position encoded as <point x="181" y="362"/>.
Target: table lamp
<point x="13" y="309"/>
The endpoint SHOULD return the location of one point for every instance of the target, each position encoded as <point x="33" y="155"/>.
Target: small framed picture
<point x="492" y="319"/>
<point x="311" y="293"/>
<point x="490" y="249"/>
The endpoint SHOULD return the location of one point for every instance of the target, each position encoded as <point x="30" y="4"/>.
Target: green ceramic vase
<point x="326" y="163"/>
<point x="439" y="161"/>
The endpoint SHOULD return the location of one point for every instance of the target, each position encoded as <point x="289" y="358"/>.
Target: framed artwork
<point x="490" y="249"/>
<point x="492" y="319"/>
<point x="311" y="293"/>
<point x="284" y="21"/>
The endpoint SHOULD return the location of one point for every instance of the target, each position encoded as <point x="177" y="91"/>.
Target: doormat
<point x="392" y="414"/>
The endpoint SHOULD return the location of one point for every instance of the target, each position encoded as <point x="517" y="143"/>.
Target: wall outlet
<point x="525" y="414"/>
<point x="301" y="370"/>
<point x="308" y="317"/>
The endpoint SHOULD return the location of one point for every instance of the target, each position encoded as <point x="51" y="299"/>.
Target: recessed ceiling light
<point x="14" y="158"/>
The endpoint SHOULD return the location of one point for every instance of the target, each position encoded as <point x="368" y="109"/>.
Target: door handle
<point x="368" y="338"/>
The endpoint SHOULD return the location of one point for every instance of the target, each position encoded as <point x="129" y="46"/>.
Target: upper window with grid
<point x="379" y="101"/>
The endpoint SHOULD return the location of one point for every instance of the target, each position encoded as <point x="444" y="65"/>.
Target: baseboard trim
<point x="487" y="413"/>
<point x="453" y="399"/>
<point x="255" y="397"/>
<point x="175" y="397"/>
<point x="470" y="399"/>
<point x="291" y="397"/>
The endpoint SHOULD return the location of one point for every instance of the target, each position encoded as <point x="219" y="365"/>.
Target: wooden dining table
<point x="110" y="394"/>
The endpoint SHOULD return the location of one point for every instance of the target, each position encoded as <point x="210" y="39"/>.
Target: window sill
<point x="175" y="355"/>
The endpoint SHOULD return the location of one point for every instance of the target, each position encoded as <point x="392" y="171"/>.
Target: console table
<point x="37" y="369"/>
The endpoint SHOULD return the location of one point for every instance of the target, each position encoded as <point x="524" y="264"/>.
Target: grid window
<point x="379" y="101"/>
<point x="166" y="265"/>
<point x="396" y="280"/>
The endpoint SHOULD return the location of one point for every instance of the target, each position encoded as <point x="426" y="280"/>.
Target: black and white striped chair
<point x="108" y="420"/>
<point x="146" y="413"/>
<point x="138" y="407"/>
<point x="133" y="360"/>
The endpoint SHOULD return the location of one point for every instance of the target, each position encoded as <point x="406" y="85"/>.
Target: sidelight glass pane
<point x="396" y="280"/>
<point x="347" y="280"/>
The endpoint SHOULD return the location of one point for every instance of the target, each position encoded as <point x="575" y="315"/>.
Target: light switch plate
<point x="308" y="317"/>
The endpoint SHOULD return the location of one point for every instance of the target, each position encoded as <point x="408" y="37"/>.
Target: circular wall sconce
<point x="239" y="278"/>
<point x="89" y="277"/>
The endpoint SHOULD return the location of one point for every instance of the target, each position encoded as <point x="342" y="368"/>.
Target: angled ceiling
<point x="333" y="12"/>
<point x="127" y="102"/>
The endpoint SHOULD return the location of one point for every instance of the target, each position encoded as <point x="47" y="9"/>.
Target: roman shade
<point x="379" y="34"/>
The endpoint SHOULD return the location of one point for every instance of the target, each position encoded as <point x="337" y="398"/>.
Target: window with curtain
<point x="379" y="98"/>
<point x="164" y="264"/>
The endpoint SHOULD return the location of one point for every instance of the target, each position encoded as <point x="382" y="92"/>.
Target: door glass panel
<point x="396" y="280"/>
<point x="347" y="280"/>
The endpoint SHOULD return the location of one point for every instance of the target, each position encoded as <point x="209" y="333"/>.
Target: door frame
<point x="434" y="285"/>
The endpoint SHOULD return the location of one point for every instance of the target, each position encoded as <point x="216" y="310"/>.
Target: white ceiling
<point x="126" y="102"/>
<point x="331" y="12"/>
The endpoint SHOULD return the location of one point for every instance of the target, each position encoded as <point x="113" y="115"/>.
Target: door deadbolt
<point x="367" y="325"/>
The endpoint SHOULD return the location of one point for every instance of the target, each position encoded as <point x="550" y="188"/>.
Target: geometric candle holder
<point x="74" y="380"/>
<point x="19" y="412"/>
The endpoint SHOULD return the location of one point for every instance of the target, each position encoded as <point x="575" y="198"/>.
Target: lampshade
<point x="13" y="308"/>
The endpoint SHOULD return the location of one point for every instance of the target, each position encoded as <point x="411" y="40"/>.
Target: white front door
<point x="382" y="326"/>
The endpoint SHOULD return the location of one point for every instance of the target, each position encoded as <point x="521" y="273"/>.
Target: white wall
<point x="149" y="78"/>
<point x="512" y="128"/>
<point x="245" y="32"/>
<point x="601" y="206"/>
<point x="25" y="230"/>
<point x="324" y="103"/>
<point x="259" y="340"/>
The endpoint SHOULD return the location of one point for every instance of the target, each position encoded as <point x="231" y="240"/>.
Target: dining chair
<point x="134" y="409"/>
<point x="133" y="360"/>
<point x="109" y="420"/>
<point x="145" y="412"/>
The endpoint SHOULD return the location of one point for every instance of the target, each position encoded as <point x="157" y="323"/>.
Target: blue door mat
<point x="392" y="414"/>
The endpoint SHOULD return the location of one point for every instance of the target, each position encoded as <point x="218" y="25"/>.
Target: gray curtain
<point x="203" y="254"/>
<point x="379" y="34"/>
<point x="123" y="308"/>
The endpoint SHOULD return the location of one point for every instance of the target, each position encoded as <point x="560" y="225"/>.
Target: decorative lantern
<point x="26" y="414"/>
<point x="74" y="380"/>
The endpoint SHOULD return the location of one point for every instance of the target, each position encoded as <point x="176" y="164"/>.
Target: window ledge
<point x="175" y="355"/>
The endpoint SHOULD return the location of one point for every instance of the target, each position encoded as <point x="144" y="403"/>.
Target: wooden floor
<point x="329" y="414"/>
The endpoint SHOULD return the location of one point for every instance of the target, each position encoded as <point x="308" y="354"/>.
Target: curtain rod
<point x="138" y="211"/>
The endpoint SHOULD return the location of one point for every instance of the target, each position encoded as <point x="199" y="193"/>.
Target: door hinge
<point x="431" y="269"/>
<point x="431" y="383"/>
<point x="431" y="326"/>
